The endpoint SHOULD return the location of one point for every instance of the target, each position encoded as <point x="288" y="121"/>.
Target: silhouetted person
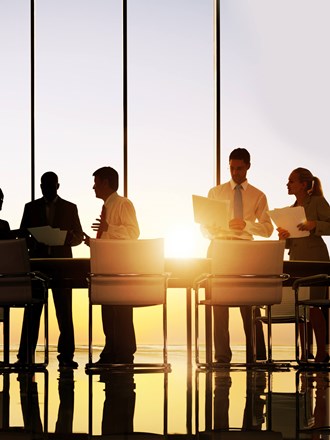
<point x="4" y="225"/>
<point x="118" y="221"/>
<point x="52" y="210"/>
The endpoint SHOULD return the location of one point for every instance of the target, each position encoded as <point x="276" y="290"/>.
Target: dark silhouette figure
<point x="4" y="225"/>
<point x="52" y="210"/>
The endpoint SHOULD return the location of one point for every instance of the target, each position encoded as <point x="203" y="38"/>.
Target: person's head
<point x="301" y="182"/>
<point x="1" y="198"/>
<point x="239" y="163"/>
<point x="106" y="181"/>
<point x="49" y="185"/>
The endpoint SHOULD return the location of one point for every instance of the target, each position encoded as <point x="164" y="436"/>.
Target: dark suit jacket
<point x="65" y="217"/>
<point x="4" y="230"/>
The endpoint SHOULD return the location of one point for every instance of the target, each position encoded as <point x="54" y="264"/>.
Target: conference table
<point x="73" y="273"/>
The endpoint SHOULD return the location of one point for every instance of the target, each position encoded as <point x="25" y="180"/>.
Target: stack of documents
<point x="48" y="235"/>
<point x="289" y="218"/>
<point x="210" y="212"/>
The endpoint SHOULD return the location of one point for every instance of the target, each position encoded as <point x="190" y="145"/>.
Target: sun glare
<point x="180" y="242"/>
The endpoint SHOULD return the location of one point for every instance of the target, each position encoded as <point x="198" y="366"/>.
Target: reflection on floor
<point x="184" y="403"/>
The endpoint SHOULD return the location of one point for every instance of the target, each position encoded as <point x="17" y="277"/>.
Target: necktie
<point x="99" y="232"/>
<point x="50" y="212"/>
<point x="238" y="204"/>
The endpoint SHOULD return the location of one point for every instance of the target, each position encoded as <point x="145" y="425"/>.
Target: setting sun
<point x="182" y="241"/>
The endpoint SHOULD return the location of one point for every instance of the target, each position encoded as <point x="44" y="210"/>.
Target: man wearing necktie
<point x="249" y="208"/>
<point x="118" y="221"/>
<point x="54" y="211"/>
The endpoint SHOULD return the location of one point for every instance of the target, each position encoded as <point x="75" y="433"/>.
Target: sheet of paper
<point x="211" y="212"/>
<point x="289" y="218"/>
<point x="48" y="235"/>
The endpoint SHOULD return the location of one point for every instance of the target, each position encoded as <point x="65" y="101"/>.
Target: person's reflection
<point x="119" y="403"/>
<point x="254" y="406"/>
<point x="221" y="399"/>
<point x="30" y="403"/>
<point x="65" y="410"/>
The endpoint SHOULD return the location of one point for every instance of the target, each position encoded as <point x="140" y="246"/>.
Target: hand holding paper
<point x="289" y="219"/>
<point x="210" y="212"/>
<point x="48" y="235"/>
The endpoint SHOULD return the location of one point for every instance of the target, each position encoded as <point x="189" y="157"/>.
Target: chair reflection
<point x="255" y="419"/>
<point x="312" y="404"/>
<point x="302" y="413"/>
<point x="33" y="423"/>
<point x="120" y="404"/>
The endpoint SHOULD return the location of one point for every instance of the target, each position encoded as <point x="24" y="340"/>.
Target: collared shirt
<point x="50" y="209"/>
<point x="255" y="209"/>
<point x="121" y="218"/>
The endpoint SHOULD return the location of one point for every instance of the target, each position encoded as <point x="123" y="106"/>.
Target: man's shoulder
<point x="34" y="203"/>
<point x="4" y="225"/>
<point x="220" y="188"/>
<point x="65" y="202"/>
<point x="254" y="189"/>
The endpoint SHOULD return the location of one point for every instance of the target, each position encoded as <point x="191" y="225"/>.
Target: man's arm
<point x="75" y="233"/>
<point x="263" y="227"/>
<point x="128" y="227"/>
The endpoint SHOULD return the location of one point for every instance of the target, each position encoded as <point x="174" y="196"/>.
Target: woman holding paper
<point x="308" y="192"/>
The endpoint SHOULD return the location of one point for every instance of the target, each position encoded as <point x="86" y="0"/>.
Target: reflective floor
<point x="185" y="403"/>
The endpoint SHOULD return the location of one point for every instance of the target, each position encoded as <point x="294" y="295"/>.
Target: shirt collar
<point x="233" y="184"/>
<point x="53" y="201"/>
<point x="111" y="197"/>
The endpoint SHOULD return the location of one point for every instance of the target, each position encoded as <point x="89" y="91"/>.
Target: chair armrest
<point x="307" y="281"/>
<point x="41" y="276"/>
<point x="202" y="278"/>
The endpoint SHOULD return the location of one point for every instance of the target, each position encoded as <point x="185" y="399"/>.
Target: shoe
<point x="323" y="358"/>
<point x="73" y="365"/>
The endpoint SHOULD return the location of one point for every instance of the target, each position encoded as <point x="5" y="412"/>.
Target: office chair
<point x="128" y="272"/>
<point x="302" y="305"/>
<point x="243" y="273"/>
<point x="17" y="285"/>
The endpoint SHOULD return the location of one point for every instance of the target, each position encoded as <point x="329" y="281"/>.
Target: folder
<point x="211" y="212"/>
<point x="289" y="218"/>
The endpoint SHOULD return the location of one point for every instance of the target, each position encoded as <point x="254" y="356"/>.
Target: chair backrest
<point x="241" y="257"/>
<point x="127" y="256"/>
<point x="14" y="260"/>
<point x="247" y="257"/>
<point x="127" y="272"/>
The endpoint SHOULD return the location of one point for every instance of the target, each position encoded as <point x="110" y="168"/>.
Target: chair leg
<point x="90" y="331"/>
<point x="269" y="333"/>
<point x="196" y="329"/>
<point x="297" y="325"/>
<point x="6" y="334"/>
<point x="46" y="357"/>
<point x="165" y="333"/>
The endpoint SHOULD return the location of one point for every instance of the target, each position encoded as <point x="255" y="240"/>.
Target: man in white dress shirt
<point x="249" y="220"/>
<point x="117" y="221"/>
